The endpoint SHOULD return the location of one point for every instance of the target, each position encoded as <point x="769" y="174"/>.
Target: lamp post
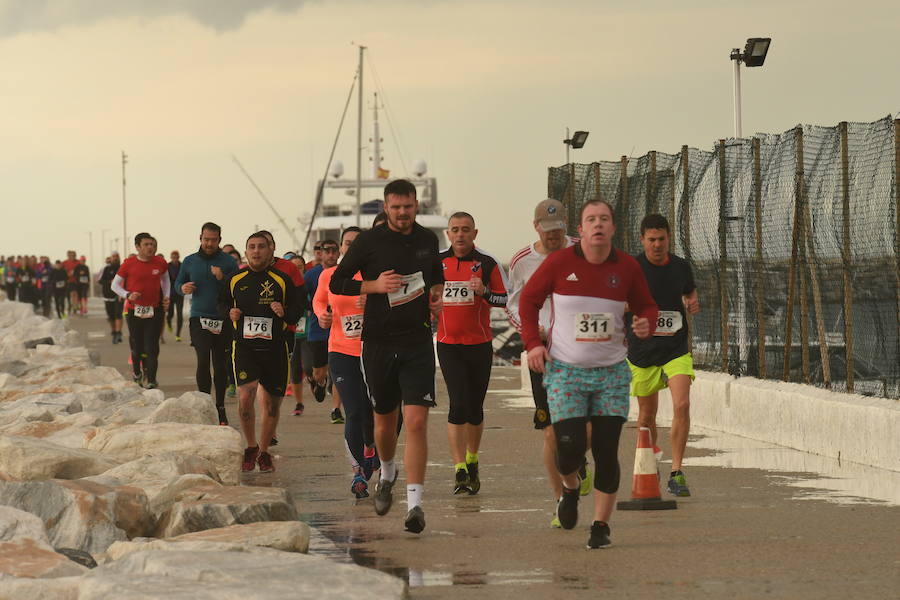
<point x="575" y="141"/>
<point x="124" y="221"/>
<point x="754" y="55"/>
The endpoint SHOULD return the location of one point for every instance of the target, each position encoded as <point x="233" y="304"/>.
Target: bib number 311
<point x="593" y="327"/>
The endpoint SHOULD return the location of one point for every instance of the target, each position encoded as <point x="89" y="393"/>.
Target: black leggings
<point x="144" y="343"/>
<point x="359" y="425"/>
<point x="210" y="347"/>
<point x="297" y="362"/>
<point x="571" y="442"/>
<point x="467" y="373"/>
<point x="10" y="291"/>
<point x="59" y="300"/>
<point x="176" y="307"/>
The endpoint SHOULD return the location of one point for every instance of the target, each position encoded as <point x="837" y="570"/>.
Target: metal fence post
<point x="626" y="208"/>
<point x="897" y="230"/>
<point x="760" y="297"/>
<point x="652" y="201"/>
<point x="846" y="258"/>
<point x="792" y="270"/>
<point x="597" y="191"/>
<point x="723" y="259"/>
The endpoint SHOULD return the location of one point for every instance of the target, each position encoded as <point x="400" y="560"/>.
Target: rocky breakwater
<point x="111" y="491"/>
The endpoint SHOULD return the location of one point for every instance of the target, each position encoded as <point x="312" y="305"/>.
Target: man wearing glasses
<point x="317" y="336"/>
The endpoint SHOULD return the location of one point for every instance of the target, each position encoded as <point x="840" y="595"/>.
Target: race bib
<point x="25" y="278"/>
<point x="411" y="287"/>
<point x="458" y="293"/>
<point x="10" y="279"/>
<point x="257" y="328"/>
<point x="143" y="312"/>
<point x="352" y="326"/>
<point x="60" y="285"/>
<point x="668" y="323"/>
<point x="83" y="279"/>
<point x="301" y="326"/>
<point x="211" y="325"/>
<point x="593" y="327"/>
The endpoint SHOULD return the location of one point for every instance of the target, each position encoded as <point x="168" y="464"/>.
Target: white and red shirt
<point x="522" y="266"/>
<point x="587" y="306"/>
<point x="150" y="278"/>
<point x="466" y="316"/>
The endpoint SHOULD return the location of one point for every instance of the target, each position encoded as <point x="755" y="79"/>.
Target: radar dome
<point x="337" y="169"/>
<point x="419" y="168"/>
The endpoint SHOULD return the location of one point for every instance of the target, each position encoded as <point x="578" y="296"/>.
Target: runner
<point x="663" y="360"/>
<point x="44" y="289"/>
<point x="202" y="275"/>
<point x="550" y="225"/>
<point x="344" y="316"/>
<point x="316" y="335"/>
<point x="111" y="301"/>
<point x="58" y="281"/>
<point x="317" y="257"/>
<point x="474" y="282"/>
<point x="586" y="373"/>
<point x="403" y="278"/>
<point x="296" y="388"/>
<point x="140" y="280"/>
<point x="26" y="277"/>
<point x="176" y="307"/>
<point x="82" y="275"/>
<point x="69" y="265"/>
<point x="262" y="301"/>
<point x="9" y="279"/>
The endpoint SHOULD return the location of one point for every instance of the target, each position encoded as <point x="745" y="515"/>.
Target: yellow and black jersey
<point x="253" y="292"/>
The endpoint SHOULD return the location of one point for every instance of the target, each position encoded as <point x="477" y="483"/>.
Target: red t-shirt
<point x="69" y="266"/>
<point x="466" y="317"/>
<point x="291" y="270"/>
<point x="144" y="277"/>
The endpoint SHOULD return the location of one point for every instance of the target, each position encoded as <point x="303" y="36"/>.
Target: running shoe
<point x="678" y="485"/>
<point x="223" y="418"/>
<point x="599" y="536"/>
<point x="298" y="409"/>
<point x="265" y="462"/>
<point x="249" y="462"/>
<point x="461" y="486"/>
<point x="474" y="481"/>
<point x="318" y="391"/>
<point x="231" y="391"/>
<point x="289" y="391"/>
<point x="177" y="338"/>
<point x="336" y="417"/>
<point x="384" y="496"/>
<point x="415" y="520"/>
<point x="587" y="479"/>
<point x="138" y="379"/>
<point x="554" y="522"/>
<point x="151" y="385"/>
<point x="359" y="487"/>
<point x="567" y="509"/>
<point x="274" y="441"/>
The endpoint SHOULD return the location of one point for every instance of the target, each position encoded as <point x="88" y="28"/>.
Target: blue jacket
<point x="196" y="268"/>
<point x="314" y="333"/>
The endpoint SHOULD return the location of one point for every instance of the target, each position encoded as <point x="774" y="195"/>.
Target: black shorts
<point x="398" y="375"/>
<point x="113" y="308"/>
<point x="467" y="373"/>
<point x="541" y="407"/>
<point x="270" y="367"/>
<point x="319" y="353"/>
<point x="82" y="289"/>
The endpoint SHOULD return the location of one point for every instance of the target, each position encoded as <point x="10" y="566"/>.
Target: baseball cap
<point x="289" y="255"/>
<point x="550" y="215"/>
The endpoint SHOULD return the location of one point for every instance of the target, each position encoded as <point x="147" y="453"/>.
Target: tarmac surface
<point x="745" y="533"/>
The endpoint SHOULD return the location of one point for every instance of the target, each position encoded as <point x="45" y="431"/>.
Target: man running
<point x="10" y="279"/>
<point x="176" y="307"/>
<point x="296" y="388"/>
<point x="473" y="283"/>
<point x="69" y="265"/>
<point x="585" y="370"/>
<point x="344" y="316"/>
<point x="550" y="224"/>
<point x="663" y="360"/>
<point x="316" y="335"/>
<point x="111" y="301"/>
<point x="59" y="279"/>
<point x="262" y="302"/>
<point x="403" y="280"/>
<point x="82" y="275"/>
<point x="140" y="280"/>
<point x="203" y="274"/>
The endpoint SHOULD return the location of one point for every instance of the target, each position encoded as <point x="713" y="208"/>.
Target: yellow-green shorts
<point x="646" y="381"/>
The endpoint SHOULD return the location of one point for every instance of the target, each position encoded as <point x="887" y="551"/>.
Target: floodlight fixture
<point x="576" y="140"/>
<point x="754" y="55"/>
<point x="755" y="51"/>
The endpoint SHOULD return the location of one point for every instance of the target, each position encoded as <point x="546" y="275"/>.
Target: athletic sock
<point x="388" y="470"/>
<point x="414" y="493"/>
<point x="459" y="466"/>
<point x="471" y="457"/>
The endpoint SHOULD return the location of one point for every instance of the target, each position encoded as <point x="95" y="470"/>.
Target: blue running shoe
<point x="359" y="487"/>
<point x="678" y="485"/>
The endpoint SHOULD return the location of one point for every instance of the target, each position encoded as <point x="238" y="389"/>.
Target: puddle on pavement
<point x="822" y="478"/>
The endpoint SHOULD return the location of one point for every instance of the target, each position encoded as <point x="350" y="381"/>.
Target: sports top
<point x="522" y="266"/>
<point x="253" y="292"/>
<point x="466" y="317"/>
<point x="148" y="278"/>
<point x="347" y="316"/>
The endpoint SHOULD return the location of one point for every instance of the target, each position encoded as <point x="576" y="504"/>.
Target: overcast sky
<point x="482" y="89"/>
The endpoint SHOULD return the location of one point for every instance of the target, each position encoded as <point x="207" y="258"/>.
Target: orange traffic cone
<point x="645" y="485"/>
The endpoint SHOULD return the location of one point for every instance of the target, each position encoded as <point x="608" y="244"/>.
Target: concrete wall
<point x="860" y="429"/>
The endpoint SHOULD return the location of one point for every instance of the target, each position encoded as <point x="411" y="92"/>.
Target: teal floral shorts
<point x="587" y="392"/>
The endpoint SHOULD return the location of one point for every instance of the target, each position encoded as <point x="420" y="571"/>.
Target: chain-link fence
<point x="794" y="243"/>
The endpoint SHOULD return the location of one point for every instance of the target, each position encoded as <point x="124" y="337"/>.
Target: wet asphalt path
<point x="744" y="533"/>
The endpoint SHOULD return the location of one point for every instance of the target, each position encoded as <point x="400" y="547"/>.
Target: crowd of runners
<point x="372" y="314"/>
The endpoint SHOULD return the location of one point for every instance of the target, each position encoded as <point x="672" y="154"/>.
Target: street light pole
<point x="124" y="221"/>
<point x="736" y="59"/>
<point x="568" y="145"/>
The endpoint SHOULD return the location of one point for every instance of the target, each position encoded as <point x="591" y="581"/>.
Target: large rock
<point x="15" y="523"/>
<point x="220" y="445"/>
<point x="60" y="588"/>
<point x="25" y="549"/>
<point x="191" y="407"/>
<point x="162" y="499"/>
<point x="290" y="536"/>
<point x="212" y="507"/>
<point x="81" y="514"/>
<point x="27" y="459"/>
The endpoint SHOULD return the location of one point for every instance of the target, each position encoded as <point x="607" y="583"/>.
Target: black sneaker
<point x="151" y="385"/>
<point x="384" y="496"/>
<point x="318" y="391"/>
<point x="567" y="509"/>
<point x="138" y="379"/>
<point x="474" y="481"/>
<point x="223" y="418"/>
<point x="336" y="417"/>
<point x="274" y="441"/>
<point x="461" y="486"/>
<point x="415" y="520"/>
<point x="599" y="536"/>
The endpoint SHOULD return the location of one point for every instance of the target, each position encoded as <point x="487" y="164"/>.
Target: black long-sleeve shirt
<point x="253" y="292"/>
<point x="402" y="318"/>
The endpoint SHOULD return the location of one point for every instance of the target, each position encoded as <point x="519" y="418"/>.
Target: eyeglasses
<point x="317" y="248"/>
<point x="329" y="249"/>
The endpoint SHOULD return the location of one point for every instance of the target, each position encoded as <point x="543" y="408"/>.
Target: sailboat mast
<point x="376" y="141"/>
<point x="362" y="49"/>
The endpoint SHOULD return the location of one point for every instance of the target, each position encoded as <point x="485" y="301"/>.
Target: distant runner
<point x="176" y="307"/>
<point x="111" y="301"/>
